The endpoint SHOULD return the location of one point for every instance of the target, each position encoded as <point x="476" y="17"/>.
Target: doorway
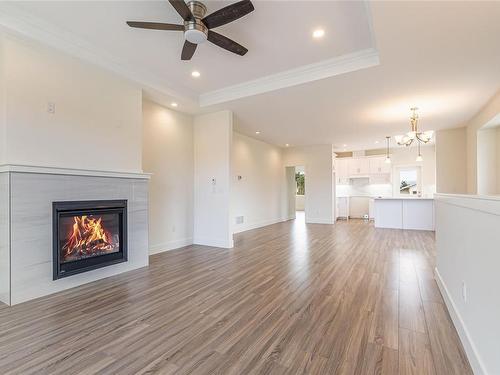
<point x="296" y="192"/>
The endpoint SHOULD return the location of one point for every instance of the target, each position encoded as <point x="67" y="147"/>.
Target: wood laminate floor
<point x="288" y="299"/>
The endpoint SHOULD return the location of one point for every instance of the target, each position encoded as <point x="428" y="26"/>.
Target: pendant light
<point x="419" y="157"/>
<point x="387" y="156"/>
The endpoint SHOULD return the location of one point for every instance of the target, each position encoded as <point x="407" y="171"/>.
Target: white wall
<point x="5" y="238"/>
<point x="486" y="164"/>
<point x="451" y="161"/>
<point x="498" y="159"/>
<point x="257" y="196"/>
<point x="97" y="122"/>
<point x="168" y="153"/>
<point x="486" y="114"/>
<point x="467" y="239"/>
<point x="3" y="129"/>
<point x="212" y="179"/>
<point x="318" y="163"/>
<point x="288" y="193"/>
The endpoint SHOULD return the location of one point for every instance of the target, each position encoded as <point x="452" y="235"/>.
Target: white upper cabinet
<point x="379" y="166"/>
<point x="342" y="171"/>
<point x="359" y="167"/>
<point x="373" y="167"/>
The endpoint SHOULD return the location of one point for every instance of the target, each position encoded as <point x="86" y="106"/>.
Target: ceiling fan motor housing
<point x="195" y="30"/>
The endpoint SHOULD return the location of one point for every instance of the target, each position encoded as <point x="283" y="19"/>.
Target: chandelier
<point x="414" y="134"/>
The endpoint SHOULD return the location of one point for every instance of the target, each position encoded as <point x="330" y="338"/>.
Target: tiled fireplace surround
<point x="26" y="196"/>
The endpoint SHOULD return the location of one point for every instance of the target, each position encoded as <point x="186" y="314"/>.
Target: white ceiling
<point x="442" y="57"/>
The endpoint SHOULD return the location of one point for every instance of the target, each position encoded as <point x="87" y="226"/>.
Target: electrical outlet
<point x="240" y="219"/>
<point x="464" y="291"/>
<point x="51" y="107"/>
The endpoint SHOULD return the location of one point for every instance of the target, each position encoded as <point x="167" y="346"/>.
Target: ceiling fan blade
<point x="155" y="25"/>
<point x="188" y="50"/>
<point x="226" y="43"/>
<point x="228" y="14"/>
<point x="181" y="8"/>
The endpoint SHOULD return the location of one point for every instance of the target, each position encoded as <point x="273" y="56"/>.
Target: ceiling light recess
<point x="195" y="73"/>
<point x="318" y="33"/>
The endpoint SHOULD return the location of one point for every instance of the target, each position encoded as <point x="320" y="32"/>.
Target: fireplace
<point x="88" y="235"/>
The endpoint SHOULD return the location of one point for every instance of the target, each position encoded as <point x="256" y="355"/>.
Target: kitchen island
<point x="404" y="213"/>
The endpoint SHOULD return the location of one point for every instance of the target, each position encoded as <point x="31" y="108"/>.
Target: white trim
<point x="311" y="220"/>
<point x="470" y="349"/>
<point x="16" y="21"/>
<point x="170" y="245"/>
<point x="214" y="242"/>
<point x="328" y="68"/>
<point x="486" y="204"/>
<point x="243" y="228"/>
<point x="72" y="172"/>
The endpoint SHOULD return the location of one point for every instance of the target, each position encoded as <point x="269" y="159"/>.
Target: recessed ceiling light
<point x="257" y="132"/>
<point x="318" y="33"/>
<point x="286" y="145"/>
<point x="174" y="104"/>
<point x="195" y="73"/>
<point x="344" y="145"/>
<point x="376" y="142"/>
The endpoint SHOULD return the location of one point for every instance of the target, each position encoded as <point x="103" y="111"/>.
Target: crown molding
<point x="18" y="168"/>
<point x="327" y="68"/>
<point x="17" y="22"/>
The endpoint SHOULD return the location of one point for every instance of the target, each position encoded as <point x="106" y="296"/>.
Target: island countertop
<point x="404" y="198"/>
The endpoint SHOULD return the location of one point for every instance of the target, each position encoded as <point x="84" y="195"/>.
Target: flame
<point x="87" y="237"/>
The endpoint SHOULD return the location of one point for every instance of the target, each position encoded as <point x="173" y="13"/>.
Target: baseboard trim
<point x="214" y="242"/>
<point x="171" y="245"/>
<point x="311" y="220"/>
<point x="259" y="224"/>
<point x="470" y="349"/>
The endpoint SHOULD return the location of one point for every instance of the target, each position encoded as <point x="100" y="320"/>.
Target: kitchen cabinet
<point x="404" y="213"/>
<point x="379" y="166"/>
<point x="343" y="207"/>
<point x="342" y="171"/>
<point x="359" y="167"/>
<point x="358" y="207"/>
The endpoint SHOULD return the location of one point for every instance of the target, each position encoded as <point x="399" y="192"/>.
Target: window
<point x="409" y="181"/>
<point x="300" y="178"/>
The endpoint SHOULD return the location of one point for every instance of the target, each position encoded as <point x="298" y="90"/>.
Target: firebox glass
<point x="88" y="236"/>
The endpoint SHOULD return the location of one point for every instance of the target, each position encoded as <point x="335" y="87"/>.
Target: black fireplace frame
<point x="80" y="208"/>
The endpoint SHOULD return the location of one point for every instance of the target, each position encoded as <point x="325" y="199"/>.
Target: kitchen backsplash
<point x="361" y="187"/>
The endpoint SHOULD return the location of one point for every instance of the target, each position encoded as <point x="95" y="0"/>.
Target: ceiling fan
<point x="197" y="27"/>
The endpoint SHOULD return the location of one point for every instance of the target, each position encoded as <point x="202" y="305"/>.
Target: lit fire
<point x="87" y="238"/>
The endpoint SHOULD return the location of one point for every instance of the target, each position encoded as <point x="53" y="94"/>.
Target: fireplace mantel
<point x="27" y="194"/>
<point x="72" y="172"/>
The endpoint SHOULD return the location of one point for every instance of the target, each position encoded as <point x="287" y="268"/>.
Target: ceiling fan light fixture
<point x="196" y="32"/>
<point x="197" y="27"/>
